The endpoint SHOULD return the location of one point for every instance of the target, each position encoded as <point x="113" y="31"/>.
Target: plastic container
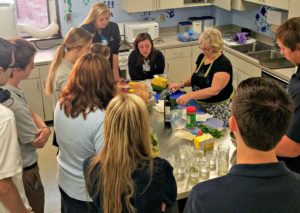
<point x="190" y="117"/>
<point x="204" y="142"/>
<point x="184" y="26"/>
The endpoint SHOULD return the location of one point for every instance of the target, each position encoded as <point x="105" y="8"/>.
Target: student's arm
<point x="159" y="67"/>
<point x="170" y="188"/>
<point x="134" y="72"/>
<point x="43" y="131"/>
<point x="10" y="198"/>
<point x="289" y="146"/>
<point x="114" y="50"/>
<point x="115" y="67"/>
<point x="220" y="80"/>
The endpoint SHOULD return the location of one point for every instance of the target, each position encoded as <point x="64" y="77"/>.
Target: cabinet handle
<point x="158" y="3"/>
<point x="153" y="4"/>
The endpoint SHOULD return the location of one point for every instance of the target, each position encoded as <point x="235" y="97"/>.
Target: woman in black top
<point x="124" y="177"/>
<point x="105" y="32"/>
<point x="211" y="80"/>
<point x="145" y="61"/>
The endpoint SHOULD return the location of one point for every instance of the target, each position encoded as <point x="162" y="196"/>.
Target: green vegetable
<point x="214" y="132"/>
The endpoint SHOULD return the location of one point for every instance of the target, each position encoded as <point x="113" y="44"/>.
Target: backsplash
<point x="77" y="10"/>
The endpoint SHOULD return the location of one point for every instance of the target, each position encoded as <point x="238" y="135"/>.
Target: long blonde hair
<point x="75" y="38"/>
<point x="96" y="10"/>
<point x="126" y="146"/>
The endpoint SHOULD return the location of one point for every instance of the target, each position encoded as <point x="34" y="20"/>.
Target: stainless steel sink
<point x="253" y="47"/>
<point x="265" y="54"/>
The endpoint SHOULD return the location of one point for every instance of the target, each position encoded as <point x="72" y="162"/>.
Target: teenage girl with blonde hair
<point x="76" y="43"/>
<point x="78" y="123"/>
<point x="124" y="177"/>
<point x="105" y="32"/>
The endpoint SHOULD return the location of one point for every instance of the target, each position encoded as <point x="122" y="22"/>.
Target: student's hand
<point x="184" y="99"/>
<point x="42" y="136"/>
<point x="174" y="86"/>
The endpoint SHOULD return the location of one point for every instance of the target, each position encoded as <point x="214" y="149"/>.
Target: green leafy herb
<point x="214" y="132"/>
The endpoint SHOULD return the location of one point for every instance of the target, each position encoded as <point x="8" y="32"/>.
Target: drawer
<point x="181" y="52"/>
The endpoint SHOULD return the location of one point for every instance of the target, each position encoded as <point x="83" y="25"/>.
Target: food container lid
<point x="191" y="109"/>
<point x="184" y="23"/>
<point x="195" y="18"/>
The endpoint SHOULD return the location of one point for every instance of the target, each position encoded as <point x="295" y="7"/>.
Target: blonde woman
<point x="78" y="123"/>
<point x="211" y="80"/>
<point x="105" y="32"/>
<point x="124" y="177"/>
<point x="76" y="43"/>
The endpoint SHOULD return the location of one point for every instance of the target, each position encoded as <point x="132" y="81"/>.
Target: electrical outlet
<point x="162" y="17"/>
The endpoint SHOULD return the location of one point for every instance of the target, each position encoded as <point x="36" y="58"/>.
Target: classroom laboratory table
<point x="169" y="144"/>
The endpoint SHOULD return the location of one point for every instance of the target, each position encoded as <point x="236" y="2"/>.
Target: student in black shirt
<point x="105" y="32"/>
<point x="145" y="61"/>
<point x="288" y="38"/>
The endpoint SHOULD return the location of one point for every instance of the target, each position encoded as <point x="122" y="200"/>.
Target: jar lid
<point x="191" y="109"/>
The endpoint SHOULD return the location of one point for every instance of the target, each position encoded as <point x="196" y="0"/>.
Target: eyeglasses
<point x="206" y="49"/>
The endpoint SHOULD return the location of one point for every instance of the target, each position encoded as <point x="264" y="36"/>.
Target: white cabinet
<point x="33" y="88"/>
<point x="294" y="8"/>
<point x="178" y="63"/>
<point x="242" y="69"/>
<point x="47" y="100"/>
<point x="32" y="92"/>
<point x="281" y="4"/>
<point x="224" y="4"/>
<point x="195" y="53"/>
<point x="132" y="6"/>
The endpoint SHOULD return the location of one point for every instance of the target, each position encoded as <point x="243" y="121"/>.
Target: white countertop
<point x="170" y="41"/>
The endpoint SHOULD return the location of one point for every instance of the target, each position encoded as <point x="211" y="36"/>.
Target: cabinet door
<point x="195" y="53"/>
<point x="47" y="100"/>
<point x="132" y="6"/>
<point x="242" y="76"/>
<point x="294" y="8"/>
<point x="238" y="5"/>
<point x="224" y="4"/>
<point x="167" y="4"/>
<point x="178" y="63"/>
<point x="33" y="95"/>
<point x="281" y="4"/>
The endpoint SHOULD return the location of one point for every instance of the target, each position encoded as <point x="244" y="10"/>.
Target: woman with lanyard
<point x="212" y="79"/>
<point x="145" y="61"/>
<point x="105" y="32"/>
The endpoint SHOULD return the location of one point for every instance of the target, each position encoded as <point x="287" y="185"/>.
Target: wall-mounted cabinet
<point x="294" y="8"/>
<point x="281" y="4"/>
<point x="132" y="6"/>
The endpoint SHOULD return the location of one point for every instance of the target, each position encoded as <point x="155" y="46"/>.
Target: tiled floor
<point x="48" y="169"/>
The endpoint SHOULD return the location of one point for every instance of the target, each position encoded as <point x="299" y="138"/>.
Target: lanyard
<point x="209" y="68"/>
